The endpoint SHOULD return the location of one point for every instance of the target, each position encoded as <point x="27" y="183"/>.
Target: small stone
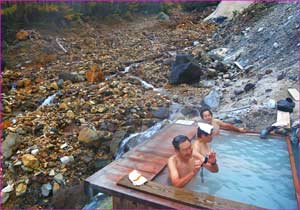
<point x="54" y="86"/>
<point x="70" y="114"/>
<point x="60" y="83"/>
<point x="52" y="172"/>
<point x="22" y="35"/>
<point x="63" y="106"/>
<point x="30" y="161"/>
<point x="87" y="135"/>
<point x="34" y="152"/>
<point x="46" y="189"/>
<point x="59" y="179"/>
<point x="275" y="45"/>
<point x="269" y="71"/>
<point x="8" y="188"/>
<point x="67" y="159"/>
<point x="4" y="197"/>
<point x="260" y="29"/>
<point x="55" y="187"/>
<point x="21" y="189"/>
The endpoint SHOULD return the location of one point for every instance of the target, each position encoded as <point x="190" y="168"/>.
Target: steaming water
<point x="251" y="171"/>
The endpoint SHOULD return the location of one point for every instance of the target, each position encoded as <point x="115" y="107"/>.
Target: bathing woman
<point x="184" y="165"/>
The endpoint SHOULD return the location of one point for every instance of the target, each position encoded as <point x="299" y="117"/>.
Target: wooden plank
<point x="283" y="118"/>
<point x="294" y="93"/>
<point x="190" y="198"/>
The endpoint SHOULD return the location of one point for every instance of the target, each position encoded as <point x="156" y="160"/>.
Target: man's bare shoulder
<point x="172" y="159"/>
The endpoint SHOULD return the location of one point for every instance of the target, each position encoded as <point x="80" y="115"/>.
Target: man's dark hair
<point x="201" y="132"/>
<point x="178" y="140"/>
<point x="204" y="110"/>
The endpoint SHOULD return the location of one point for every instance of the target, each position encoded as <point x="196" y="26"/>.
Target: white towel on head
<point x="205" y="127"/>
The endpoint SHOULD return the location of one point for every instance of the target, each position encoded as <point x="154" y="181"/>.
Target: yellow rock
<point x="22" y="35"/>
<point x="63" y="106"/>
<point x="54" y="86"/>
<point x="70" y="114"/>
<point x="30" y="161"/>
<point x="21" y="189"/>
<point x="55" y="187"/>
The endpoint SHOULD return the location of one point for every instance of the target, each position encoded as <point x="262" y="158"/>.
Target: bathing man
<point x="185" y="164"/>
<point x="207" y="116"/>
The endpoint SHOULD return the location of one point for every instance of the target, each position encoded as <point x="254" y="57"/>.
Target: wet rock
<point x="11" y="141"/>
<point x="212" y="99"/>
<point x="30" y="161"/>
<point x="249" y="87"/>
<point x="60" y="83"/>
<point x="116" y="140"/>
<point x="72" y="76"/>
<point x="46" y="189"/>
<point x="87" y="136"/>
<point x="100" y="163"/>
<point x="21" y="189"/>
<point x="95" y="74"/>
<point x="161" y="113"/>
<point x="185" y="70"/>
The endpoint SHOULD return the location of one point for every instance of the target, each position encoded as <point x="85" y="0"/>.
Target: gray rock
<point x="212" y="99"/>
<point x="10" y="142"/>
<point x="238" y="91"/>
<point x="249" y="87"/>
<point x="101" y="163"/>
<point x="4" y="197"/>
<point x="59" y="179"/>
<point x="161" y="113"/>
<point x="46" y="189"/>
<point x="72" y="76"/>
<point x="163" y="16"/>
<point x="218" y="54"/>
<point x="207" y="83"/>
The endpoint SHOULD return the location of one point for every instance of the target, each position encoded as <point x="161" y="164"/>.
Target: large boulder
<point x="185" y="70"/>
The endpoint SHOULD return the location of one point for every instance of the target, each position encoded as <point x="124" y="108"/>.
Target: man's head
<point x="204" y="132"/>
<point x="183" y="146"/>
<point x="206" y="115"/>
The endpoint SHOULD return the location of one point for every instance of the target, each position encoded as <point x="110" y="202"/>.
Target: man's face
<point x="207" y="117"/>
<point x="185" y="150"/>
<point x="207" y="138"/>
